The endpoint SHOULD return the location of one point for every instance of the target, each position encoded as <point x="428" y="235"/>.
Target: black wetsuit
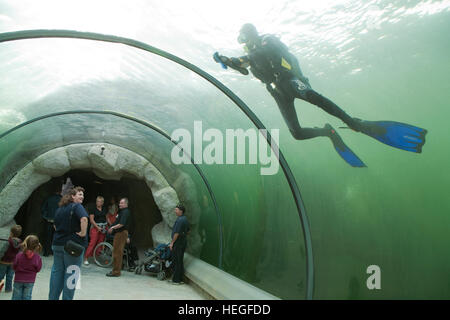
<point x="272" y="63"/>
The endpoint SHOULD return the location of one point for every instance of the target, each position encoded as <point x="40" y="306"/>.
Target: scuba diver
<point x="271" y="62"/>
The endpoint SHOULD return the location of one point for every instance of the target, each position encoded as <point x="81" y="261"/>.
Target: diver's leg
<point x="287" y="109"/>
<point x="305" y="92"/>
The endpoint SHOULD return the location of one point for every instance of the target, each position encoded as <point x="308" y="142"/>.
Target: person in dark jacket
<point x="120" y="229"/>
<point x="178" y="245"/>
<point x="48" y="210"/>
<point x="71" y="220"/>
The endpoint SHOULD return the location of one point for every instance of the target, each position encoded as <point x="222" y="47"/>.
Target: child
<point x="8" y="258"/>
<point x="26" y="265"/>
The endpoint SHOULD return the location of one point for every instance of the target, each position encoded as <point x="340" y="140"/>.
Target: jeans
<point x="22" y="291"/>
<point x="64" y="275"/>
<point x="6" y="269"/>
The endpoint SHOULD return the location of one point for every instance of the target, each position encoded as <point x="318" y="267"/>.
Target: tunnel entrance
<point x="145" y="212"/>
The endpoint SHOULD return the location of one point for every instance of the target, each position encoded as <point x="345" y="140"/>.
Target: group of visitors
<point x="67" y="240"/>
<point x="101" y="220"/>
<point x="70" y="239"/>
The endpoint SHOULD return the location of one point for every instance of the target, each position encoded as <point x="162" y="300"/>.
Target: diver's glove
<point x="233" y="63"/>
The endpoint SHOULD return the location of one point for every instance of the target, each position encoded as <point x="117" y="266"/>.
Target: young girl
<point x="8" y="258"/>
<point x="26" y="265"/>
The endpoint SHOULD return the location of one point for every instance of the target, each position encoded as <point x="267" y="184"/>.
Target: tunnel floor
<point x="129" y="286"/>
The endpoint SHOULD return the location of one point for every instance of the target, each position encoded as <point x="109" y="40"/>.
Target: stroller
<point x="157" y="262"/>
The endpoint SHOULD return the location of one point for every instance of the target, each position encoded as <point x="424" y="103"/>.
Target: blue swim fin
<point x="345" y="152"/>
<point x="395" y="134"/>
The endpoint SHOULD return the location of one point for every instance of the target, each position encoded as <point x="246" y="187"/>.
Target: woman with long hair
<point x="71" y="220"/>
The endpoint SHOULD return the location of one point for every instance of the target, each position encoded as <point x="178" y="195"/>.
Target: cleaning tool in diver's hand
<point x="216" y="58"/>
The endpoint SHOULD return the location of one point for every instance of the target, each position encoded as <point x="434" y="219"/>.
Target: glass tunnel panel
<point x="250" y="219"/>
<point x="148" y="87"/>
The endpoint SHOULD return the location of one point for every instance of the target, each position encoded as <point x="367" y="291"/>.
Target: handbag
<point x="71" y="247"/>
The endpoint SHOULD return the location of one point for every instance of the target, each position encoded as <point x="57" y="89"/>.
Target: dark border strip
<point x="42" y="33"/>
<point x="148" y="125"/>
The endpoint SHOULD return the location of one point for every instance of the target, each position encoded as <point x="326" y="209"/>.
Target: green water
<point x="378" y="60"/>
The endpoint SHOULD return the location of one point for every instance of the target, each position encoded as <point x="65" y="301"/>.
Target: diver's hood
<point x="247" y="33"/>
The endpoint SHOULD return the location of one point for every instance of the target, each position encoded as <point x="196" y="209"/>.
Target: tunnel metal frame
<point x="59" y="33"/>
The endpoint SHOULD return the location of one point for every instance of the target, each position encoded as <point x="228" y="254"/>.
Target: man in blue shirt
<point x="178" y="245"/>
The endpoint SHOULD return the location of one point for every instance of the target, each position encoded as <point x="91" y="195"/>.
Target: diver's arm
<point x="239" y="64"/>
<point x="243" y="62"/>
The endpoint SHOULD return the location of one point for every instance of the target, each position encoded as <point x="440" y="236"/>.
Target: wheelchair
<point x="103" y="254"/>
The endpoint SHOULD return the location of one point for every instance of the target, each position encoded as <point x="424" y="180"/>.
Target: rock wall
<point x="109" y="162"/>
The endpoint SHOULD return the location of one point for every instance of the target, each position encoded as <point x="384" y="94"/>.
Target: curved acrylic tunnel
<point x="237" y="210"/>
<point x="376" y="61"/>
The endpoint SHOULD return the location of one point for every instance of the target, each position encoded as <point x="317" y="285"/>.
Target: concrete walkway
<point x="129" y="286"/>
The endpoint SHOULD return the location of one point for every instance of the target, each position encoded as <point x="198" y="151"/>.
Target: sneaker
<point x="177" y="283"/>
<point x="86" y="263"/>
<point x="2" y="283"/>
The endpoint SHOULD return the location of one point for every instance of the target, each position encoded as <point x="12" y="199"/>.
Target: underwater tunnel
<point x="102" y="109"/>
